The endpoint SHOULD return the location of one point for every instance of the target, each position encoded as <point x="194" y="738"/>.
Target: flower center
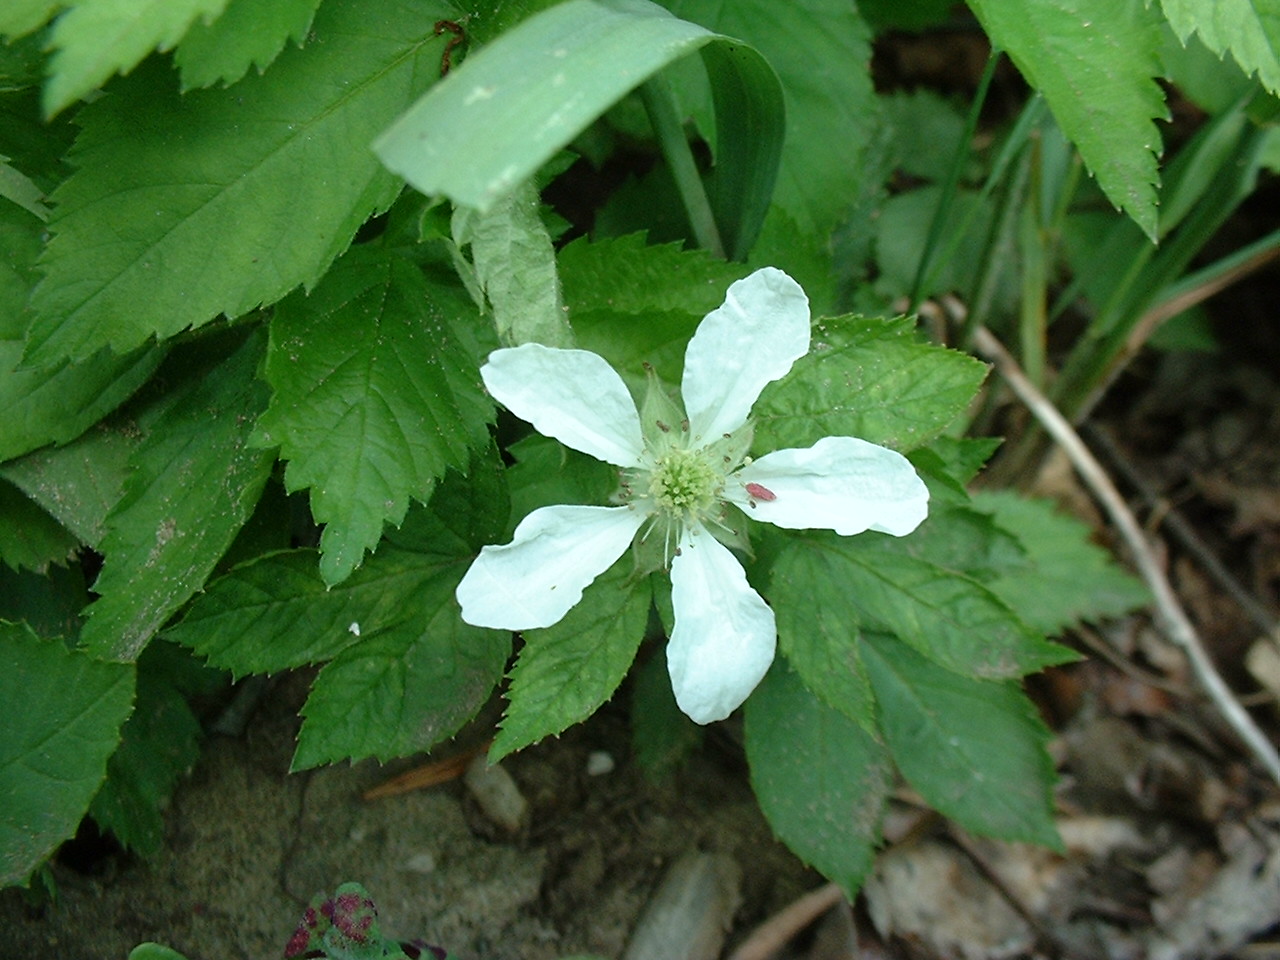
<point x="683" y="482"/>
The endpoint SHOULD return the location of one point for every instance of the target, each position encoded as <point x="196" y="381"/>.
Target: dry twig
<point x="1169" y="613"/>
<point x="772" y="935"/>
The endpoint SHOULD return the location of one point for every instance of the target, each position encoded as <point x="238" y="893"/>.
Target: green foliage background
<point x="244" y="420"/>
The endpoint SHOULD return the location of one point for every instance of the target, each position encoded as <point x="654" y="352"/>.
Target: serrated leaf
<point x="821" y="50"/>
<point x="81" y="482"/>
<point x="194" y="484"/>
<point x="249" y="33"/>
<point x="94" y="39"/>
<point x="821" y="779"/>
<point x="636" y="304"/>
<point x="159" y="743"/>
<point x="407" y="686"/>
<point x="890" y="390"/>
<point x="405" y="670"/>
<point x="565" y="672"/>
<point x="18" y="188"/>
<point x="375" y="396"/>
<point x="1248" y="29"/>
<point x="950" y="618"/>
<point x="965" y="540"/>
<point x="203" y="222"/>
<point x="50" y="603"/>
<point x="627" y="275"/>
<point x="64" y="712"/>
<point x="1068" y="579"/>
<point x="495" y="120"/>
<point x="974" y="749"/>
<point x="276" y="613"/>
<point x="1095" y="62"/>
<point x="547" y="472"/>
<point x="818" y="629"/>
<point x="56" y="402"/>
<point x="29" y="538"/>
<point x="515" y="267"/>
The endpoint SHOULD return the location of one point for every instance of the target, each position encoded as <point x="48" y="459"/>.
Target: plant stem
<point x="659" y="103"/>
<point x="958" y="160"/>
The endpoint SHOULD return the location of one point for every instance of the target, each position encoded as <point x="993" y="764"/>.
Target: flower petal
<point x="571" y="395"/>
<point x="725" y="634"/>
<point x="740" y="348"/>
<point x="840" y="483"/>
<point x="534" y="580"/>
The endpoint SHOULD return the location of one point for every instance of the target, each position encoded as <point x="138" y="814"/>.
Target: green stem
<point x="659" y="103"/>
<point x="958" y="160"/>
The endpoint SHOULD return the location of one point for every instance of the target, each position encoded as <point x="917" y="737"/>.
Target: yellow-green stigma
<point x="684" y="484"/>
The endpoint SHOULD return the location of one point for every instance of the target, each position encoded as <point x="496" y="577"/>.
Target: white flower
<point x="680" y="471"/>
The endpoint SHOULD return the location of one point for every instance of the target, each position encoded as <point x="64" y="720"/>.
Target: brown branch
<point x="1169" y="613"/>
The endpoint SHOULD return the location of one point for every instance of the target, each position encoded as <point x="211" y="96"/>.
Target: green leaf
<point x="876" y="384"/>
<point x="547" y="473"/>
<point x="30" y="538"/>
<point x="1095" y="62"/>
<point x="20" y="17"/>
<point x="819" y="624"/>
<point x="18" y="188"/>
<point x="626" y="275"/>
<point x="154" y="951"/>
<point x="159" y="743"/>
<point x="194" y="484"/>
<point x="950" y="618"/>
<point x="55" y="402"/>
<point x="204" y="222"/>
<point x="405" y="670"/>
<point x="975" y="749"/>
<point x="496" y="119"/>
<point x="1068" y="579"/>
<point x="81" y="482"/>
<point x="661" y="735"/>
<point x="50" y="603"/>
<point x="1248" y="29"/>
<point x="821" y="50"/>
<point x="565" y="672"/>
<point x="636" y="304"/>
<point x="375" y="396"/>
<point x="404" y="687"/>
<point x="277" y="613"/>
<point x="63" y="717"/>
<point x="250" y="33"/>
<point x="903" y="231"/>
<point x="821" y="779"/>
<point x="515" y="266"/>
<point x="97" y="38"/>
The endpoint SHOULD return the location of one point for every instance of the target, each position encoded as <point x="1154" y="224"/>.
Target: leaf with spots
<point x="871" y="379"/>
<point x="195" y="482"/>
<point x="376" y="393"/>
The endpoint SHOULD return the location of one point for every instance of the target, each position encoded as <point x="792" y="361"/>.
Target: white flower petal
<point x="571" y="395"/>
<point x="840" y="483"/>
<point x="534" y="580"/>
<point x="741" y="347"/>
<point x="725" y="634"/>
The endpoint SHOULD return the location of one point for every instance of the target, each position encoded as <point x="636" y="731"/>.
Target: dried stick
<point x="1169" y="613"/>
<point x="772" y="935"/>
